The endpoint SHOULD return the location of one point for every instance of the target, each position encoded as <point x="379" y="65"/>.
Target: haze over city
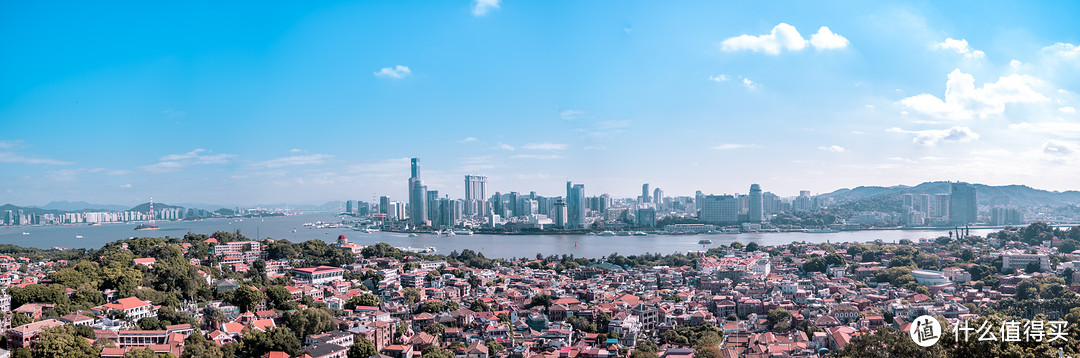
<point x="307" y="103"/>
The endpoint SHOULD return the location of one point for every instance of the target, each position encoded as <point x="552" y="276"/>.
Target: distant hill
<point x="27" y="210"/>
<point x="986" y="195"/>
<point x="145" y="207"/>
<point x="80" y="206"/>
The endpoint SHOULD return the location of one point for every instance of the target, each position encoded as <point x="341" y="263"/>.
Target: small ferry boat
<point x="704" y="242"/>
<point x="640" y="233"/>
<point x="606" y="233"/>
<point x="463" y="232"/>
<point x="821" y="231"/>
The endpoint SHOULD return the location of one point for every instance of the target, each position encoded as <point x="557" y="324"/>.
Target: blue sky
<point x="264" y="102"/>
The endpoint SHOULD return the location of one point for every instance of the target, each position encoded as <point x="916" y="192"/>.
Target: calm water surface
<point x="505" y="246"/>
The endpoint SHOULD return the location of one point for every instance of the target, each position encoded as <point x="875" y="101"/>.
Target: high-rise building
<point x="434" y="209"/>
<point x="1006" y="215"/>
<point x="605" y="203"/>
<point x="719" y="209"/>
<point x="658" y="197"/>
<point x="803" y="202"/>
<point x="771" y="203"/>
<point x="349" y="206"/>
<point x="941" y="206"/>
<point x="558" y="214"/>
<point x="417" y="197"/>
<point x="575" y="205"/>
<point x="645" y="193"/>
<point x="962" y="205"/>
<point x="646" y="217"/>
<point x="475" y="193"/>
<point x="756" y="211"/>
<point x="922" y="202"/>
<point x="384" y="205"/>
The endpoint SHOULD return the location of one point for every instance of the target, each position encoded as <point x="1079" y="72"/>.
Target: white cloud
<point x="481" y="7"/>
<point x="833" y="148"/>
<point x="295" y="150"/>
<point x="960" y="47"/>
<point x="468" y="139"/>
<point x="571" y="114"/>
<point x="1015" y="64"/>
<point x="720" y="78"/>
<point x="176" y="162"/>
<point x="1059" y="148"/>
<point x="749" y="84"/>
<point x="825" y="39"/>
<point x="293" y="160"/>
<point x="1059" y="128"/>
<point x="12" y="157"/>
<point x="544" y="146"/>
<point x="964" y="101"/>
<point x="931" y="137"/>
<point x="538" y="156"/>
<point x="784" y="37"/>
<point x="126" y="186"/>
<point x="1063" y="50"/>
<point x="398" y="71"/>
<point x="505" y="146"/>
<point x="730" y="146"/>
<point x="1067" y="110"/>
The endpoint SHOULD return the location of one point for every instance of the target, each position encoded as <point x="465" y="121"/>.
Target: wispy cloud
<point x="481" y="7"/>
<point x="932" y="137"/>
<point x="467" y="140"/>
<point x="720" y="78"/>
<point x="832" y="148"/>
<point x="960" y="47"/>
<point x="311" y="159"/>
<point x="730" y="146"/>
<point x="571" y="114"/>
<point x="544" y="146"/>
<point x="176" y="162"/>
<point x="395" y="72"/>
<point x="8" y="154"/>
<point x="538" y="156"/>
<point x="505" y="146"/>
<point x="784" y="37"/>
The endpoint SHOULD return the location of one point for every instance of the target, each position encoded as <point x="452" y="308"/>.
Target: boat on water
<point x="413" y="235"/>
<point x="606" y="233"/>
<point x="463" y="232"/>
<point x="25" y="233"/>
<point x="821" y="231"/>
<point x="623" y="233"/>
<point x="640" y="233"/>
<point x="146" y="227"/>
<point x="417" y="250"/>
<point x="449" y="233"/>
<point x="78" y="236"/>
<point x="730" y="231"/>
<point x="704" y="242"/>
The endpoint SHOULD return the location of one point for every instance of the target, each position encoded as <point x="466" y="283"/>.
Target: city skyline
<point x="318" y="102"/>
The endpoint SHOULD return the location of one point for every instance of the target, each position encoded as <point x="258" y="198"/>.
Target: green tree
<point x="411" y="295"/>
<point x="146" y="353"/>
<point x="279" y="297"/>
<point x="19" y="319"/>
<point x="63" y="342"/>
<point x="752" y="246"/>
<point x="362" y="348"/>
<point x="364" y="299"/>
<point x="308" y="321"/>
<point x="888" y="342"/>
<point x="247" y="297"/>
<point x="494" y="347"/>
<point x="436" y="352"/>
<point x="150" y="323"/>
<point x="256" y="343"/>
<point x="779" y="319"/>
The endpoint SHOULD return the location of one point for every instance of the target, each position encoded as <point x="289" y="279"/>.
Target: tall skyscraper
<point x="417" y="197"/>
<point x="756" y="212"/>
<point x="658" y="197"/>
<point x="941" y="206"/>
<point x="575" y="205"/>
<point x="475" y="192"/>
<point x="645" y="193"/>
<point x="434" y="208"/>
<point x="558" y="215"/>
<point x="384" y="205"/>
<point x="962" y="205"/>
